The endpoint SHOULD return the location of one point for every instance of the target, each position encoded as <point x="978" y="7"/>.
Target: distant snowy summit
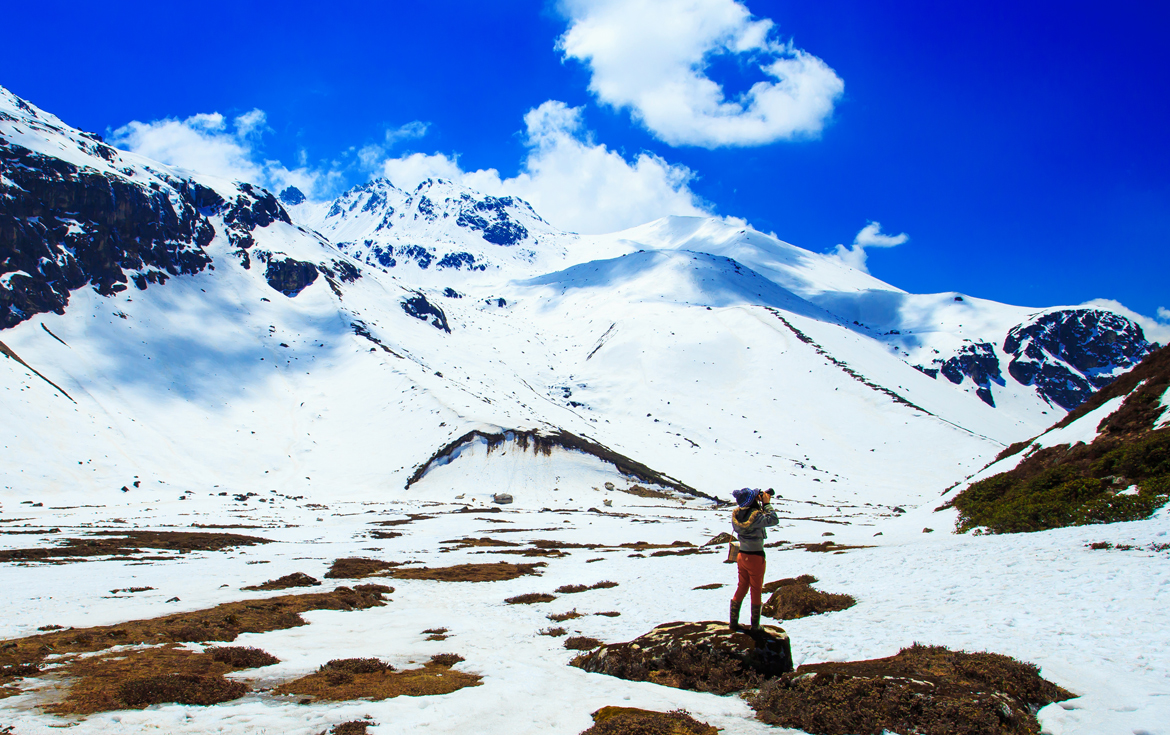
<point x="439" y="225"/>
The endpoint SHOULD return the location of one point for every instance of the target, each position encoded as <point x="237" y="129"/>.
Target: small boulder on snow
<point x="501" y="498"/>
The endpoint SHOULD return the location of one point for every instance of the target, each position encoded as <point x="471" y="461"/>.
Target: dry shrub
<point x="384" y="534"/>
<point x="581" y="643"/>
<point x="569" y="589"/>
<point x="220" y="623"/>
<point x="712" y="586"/>
<point x="530" y="598"/>
<point x="631" y="721"/>
<point x="357" y="666"/>
<point x="180" y="689"/>
<point x="435" y="631"/>
<point x="498" y="572"/>
<point x="609" y="614"/>
<point x="358" y="567"/>
<point x="562" y="617"/>
<point x="554" y="632"/>
<point x="696" y="668"/>
<point x="130" y="543"/>
<point x="434" y="677"/>
<point x="353" y="727"/>
<point x="771" y="587"/>
<point x="798" y="600"/>
<point x="446" y="659"/>
<point x="923" y="689"/>
<point x="464" y="543"/>
<point x="288" y="581"/>
<point x="644" y="492"/>
<point x="241" y="657"/>
<point x="142" y="677"/>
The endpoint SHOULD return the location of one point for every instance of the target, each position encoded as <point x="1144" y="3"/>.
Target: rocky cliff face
<point x="1069" y="355"/>
<point x="63" y="227"/>
<point x="84" y="214"/>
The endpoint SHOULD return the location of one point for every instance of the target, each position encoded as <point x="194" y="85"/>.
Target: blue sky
<point x="1022" y="147"/>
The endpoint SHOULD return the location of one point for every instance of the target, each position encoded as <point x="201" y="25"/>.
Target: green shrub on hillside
<point x="1073" y="487"/>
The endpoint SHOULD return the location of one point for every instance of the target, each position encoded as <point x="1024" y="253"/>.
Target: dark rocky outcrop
<point x="1069" y="355"/>
<point x="978" y="362"/>
<point x="703" y="657"/>
<point x="419" y="308"/>
<point x="490" y="216"/>
<point x="289" y="276"/>
<point x="63" y="227"/>
<point x="292" y="196"/>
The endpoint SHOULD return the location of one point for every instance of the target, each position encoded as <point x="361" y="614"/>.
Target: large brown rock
<point x="702" y="656"/>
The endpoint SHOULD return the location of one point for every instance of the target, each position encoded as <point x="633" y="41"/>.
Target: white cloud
<point x="206" y="143"/>
<point x="1164" y="314"/>
<point x="410" y="131"/>
<point x="652" y="56"/>
<point x="870" y="236"/>
<point x="571" y="181"/>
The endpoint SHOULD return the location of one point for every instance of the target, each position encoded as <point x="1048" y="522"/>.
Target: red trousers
<point x="751" y="576"/>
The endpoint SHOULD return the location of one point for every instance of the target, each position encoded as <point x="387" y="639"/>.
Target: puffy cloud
<point x="652" y="56"/>
<point x="208" y="144"/>
<point x="870" y="236"/>
<point x="1164" y="314"/>
<point x="569" y="179"/>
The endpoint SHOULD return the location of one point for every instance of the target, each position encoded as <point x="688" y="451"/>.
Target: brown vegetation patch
<point x="794" y="598"/>
<point x="554" y="632"/>
<point x="581" y="643"/>
<point x="131" y="589"/>
<point x="342" y="680"/>
<point x="288" y="581"/>
<point x="130" y="544"/>
<point x="828" y="546"/>
<point x="384" y="534"/>
<point x="682" y="552"/>
<point x="550" y="544"/>
<point x="410" y="518"/>
<point x="771" y="587"/>
<point x="220" y="623"/>
<point x="646" y="545"/>
<point x="645" y="492"/>
<point x="712" y="586"/>
<point x="466" y="543"/>
<point x="544" y="553"/>
<point x="530" y="598"/>
<point x="570" y="589"/>
<point x="631" y="721"/>
<point x="923" y="689"/>
<point x="138" y="678"/>
<point x="353" y="727"/>
<point x="498" y="572"/>
<point x="609" y="614"/>
<point x="242" y="657"/>
<point x="356" y="567"/>
<point x="436" y="634"/>
<point x="562" y="617"/>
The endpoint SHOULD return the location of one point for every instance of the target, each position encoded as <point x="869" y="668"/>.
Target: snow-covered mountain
<point x="699" y="349"/>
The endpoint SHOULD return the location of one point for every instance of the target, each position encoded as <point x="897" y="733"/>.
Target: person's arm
<point x="768" y="517"/>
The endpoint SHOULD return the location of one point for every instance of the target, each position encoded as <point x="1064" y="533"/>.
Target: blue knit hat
<point x="745" y="496"/>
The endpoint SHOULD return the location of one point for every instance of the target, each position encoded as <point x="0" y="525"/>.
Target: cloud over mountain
<point x="652" y="57"/>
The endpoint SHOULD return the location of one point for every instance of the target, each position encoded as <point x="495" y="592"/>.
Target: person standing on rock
<point x="752" y="515"/>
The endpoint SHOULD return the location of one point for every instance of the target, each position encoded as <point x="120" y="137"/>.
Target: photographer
<point x="752" y="515"/>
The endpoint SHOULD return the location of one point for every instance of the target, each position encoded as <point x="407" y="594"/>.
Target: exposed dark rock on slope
<point x="1122" y="475"/>
<point x="63" y="227"/>
<point x="102" y="221"/>
<point x="1068" y="355"/>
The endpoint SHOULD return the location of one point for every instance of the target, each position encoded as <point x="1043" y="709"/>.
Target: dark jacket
<point x="749" y="525"/>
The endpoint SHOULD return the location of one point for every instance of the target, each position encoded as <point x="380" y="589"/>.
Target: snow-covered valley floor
<point x="1095" y="621"/>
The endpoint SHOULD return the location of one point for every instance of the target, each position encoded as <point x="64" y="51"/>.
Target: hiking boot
<point x="735" y="606"/>
<point x="756" y="616"/>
